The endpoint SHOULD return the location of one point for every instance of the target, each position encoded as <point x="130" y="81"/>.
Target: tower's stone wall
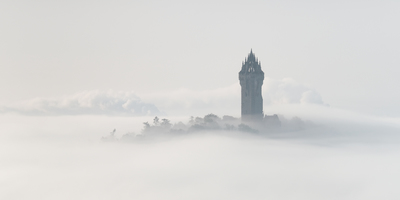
<point x="251" y="80"/>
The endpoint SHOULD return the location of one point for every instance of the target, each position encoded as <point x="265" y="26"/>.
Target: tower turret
<point x="251" y="79"/>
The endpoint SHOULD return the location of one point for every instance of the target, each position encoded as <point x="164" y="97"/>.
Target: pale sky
<point x="348" y="51"/>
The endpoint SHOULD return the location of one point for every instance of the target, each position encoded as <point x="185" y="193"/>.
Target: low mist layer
<point x="63" y="158"/>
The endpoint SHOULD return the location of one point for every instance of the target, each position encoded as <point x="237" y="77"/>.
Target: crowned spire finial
<point x="251" y="56"/>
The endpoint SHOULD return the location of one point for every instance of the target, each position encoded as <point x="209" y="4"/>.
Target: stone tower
<point x="251" y="79"/>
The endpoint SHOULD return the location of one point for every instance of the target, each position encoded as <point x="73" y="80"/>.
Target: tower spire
<point x="251" y="79"/>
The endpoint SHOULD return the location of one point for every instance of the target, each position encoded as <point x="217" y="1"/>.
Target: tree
<point x="191" y="120"/>
<point x="156" y="121"/>
<point x="166" y="123"/>
<point x="146" y="126"/>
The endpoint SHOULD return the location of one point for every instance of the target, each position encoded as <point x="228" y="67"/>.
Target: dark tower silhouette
<point x="251" y="79"/>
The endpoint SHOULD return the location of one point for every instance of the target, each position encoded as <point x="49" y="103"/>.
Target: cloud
<point x="288" y="91"/>
<point x="190" y="102"/>
<point x="226" y="100"/>
<point x="87" y="103"/>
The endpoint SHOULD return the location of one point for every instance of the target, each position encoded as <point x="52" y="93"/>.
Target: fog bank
<point x="63" y="158"/>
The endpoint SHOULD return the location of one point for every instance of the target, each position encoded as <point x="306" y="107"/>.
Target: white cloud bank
<point x="287" y="91"/>
<point x="183" y="101"/>
<point x="87" y="103"/>
<point x="226" y="100"/>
